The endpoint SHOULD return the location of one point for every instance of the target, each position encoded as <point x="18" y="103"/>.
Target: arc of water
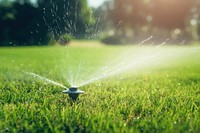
<point x="76" y="80"/>
<point x="109" y="67"/>
<point x="114" y="64"/>
<point x="120" y="67"/>
<point x="45" y="79"/>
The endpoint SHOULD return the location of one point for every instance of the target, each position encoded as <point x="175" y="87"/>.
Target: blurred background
<point x="50" y="22"/>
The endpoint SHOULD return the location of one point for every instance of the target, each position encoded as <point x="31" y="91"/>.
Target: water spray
<point x="73" y="93"/>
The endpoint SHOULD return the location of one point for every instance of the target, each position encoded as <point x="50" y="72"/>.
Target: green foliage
<point x="67" y="17"/>
<point x="116" y="39"/>
<point x="64" y="39"/>
<point x="113" y="39"/>
<point x="23" y="23"/>
<point x="164" y="99"/>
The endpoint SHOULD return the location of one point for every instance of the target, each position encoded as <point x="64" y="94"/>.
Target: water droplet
<point x="40" y="89"/>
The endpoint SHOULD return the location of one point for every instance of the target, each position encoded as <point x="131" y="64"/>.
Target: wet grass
<point x="161" y="99"/>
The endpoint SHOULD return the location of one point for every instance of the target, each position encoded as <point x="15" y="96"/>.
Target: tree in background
<point x="128" y="16"/>
<point x="135" y="20"/>
<point x="102" y="23"/>
<point x="195" y="21"/>
<point x="20" y="25"/>
<point x="172" y="16"/>
<point x="66" y="17"/>
<point x="25" y="23"/>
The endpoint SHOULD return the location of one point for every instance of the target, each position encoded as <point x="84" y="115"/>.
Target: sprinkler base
<point x="73" y="93"/>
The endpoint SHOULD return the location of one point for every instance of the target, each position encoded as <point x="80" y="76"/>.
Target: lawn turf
<point x="165" y="98"/>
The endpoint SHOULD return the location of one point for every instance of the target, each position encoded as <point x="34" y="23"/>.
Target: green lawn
<point x="160" y="98"/>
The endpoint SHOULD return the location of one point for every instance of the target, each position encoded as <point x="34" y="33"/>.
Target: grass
<point x="161" y="99"/>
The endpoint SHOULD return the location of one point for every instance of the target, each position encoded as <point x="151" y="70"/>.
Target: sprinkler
<point x="73" y="93"/>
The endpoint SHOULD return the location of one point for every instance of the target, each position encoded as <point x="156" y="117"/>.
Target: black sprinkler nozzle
<point x="73" y="93"/>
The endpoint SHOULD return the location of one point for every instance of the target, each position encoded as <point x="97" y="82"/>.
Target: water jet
<point x="73" y="92"/>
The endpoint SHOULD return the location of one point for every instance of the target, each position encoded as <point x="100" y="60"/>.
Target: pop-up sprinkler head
<point x="73" y="93"/>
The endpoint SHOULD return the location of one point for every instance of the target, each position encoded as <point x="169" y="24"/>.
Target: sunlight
<point x="95" y="3"/>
